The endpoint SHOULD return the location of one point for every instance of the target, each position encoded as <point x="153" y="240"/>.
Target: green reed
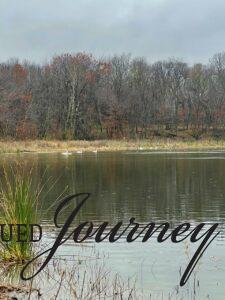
<point x="19" y="202"/>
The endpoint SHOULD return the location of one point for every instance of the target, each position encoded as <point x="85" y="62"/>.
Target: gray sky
<point x="192" y="30"/>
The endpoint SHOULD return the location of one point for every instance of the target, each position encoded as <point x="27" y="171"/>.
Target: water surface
<point x="152" y="187"/>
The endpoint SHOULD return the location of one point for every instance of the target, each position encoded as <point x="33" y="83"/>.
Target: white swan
<point x="79" y="151"/>
<point x="66" y="153"/>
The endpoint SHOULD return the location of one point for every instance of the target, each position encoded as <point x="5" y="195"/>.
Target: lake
<point x="152" y="187"/>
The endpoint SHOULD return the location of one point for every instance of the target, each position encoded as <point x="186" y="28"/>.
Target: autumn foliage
<point x="80" y="97"/>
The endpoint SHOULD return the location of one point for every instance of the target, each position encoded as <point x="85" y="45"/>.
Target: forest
<point x="83" y="98"/>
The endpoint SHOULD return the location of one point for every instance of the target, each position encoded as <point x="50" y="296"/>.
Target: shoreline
<point x="56" y="146"/>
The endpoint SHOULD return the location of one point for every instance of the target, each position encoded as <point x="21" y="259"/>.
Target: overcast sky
<point x="192" y="30"/>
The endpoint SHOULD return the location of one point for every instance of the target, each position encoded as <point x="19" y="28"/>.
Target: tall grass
<point x="152" y="144"/>
<point x="19" y="205"/>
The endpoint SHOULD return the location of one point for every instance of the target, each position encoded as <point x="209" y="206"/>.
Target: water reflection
<point x="159" y="187"/>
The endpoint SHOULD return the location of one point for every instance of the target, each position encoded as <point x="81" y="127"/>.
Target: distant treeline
<point x="80" y="97"/>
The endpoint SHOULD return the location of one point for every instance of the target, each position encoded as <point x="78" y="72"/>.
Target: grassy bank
<point x="10" y="146"/>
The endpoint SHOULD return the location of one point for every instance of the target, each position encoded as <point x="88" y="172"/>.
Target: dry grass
<point x="11" y="146"/>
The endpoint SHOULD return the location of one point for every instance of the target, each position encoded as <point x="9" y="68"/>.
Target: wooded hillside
<point x="80" y="97"/>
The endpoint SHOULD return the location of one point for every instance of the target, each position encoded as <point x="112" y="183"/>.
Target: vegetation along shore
<point x="51" y="146"/>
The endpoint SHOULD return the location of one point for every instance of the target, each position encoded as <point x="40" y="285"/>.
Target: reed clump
<point x="19" y="202"/>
